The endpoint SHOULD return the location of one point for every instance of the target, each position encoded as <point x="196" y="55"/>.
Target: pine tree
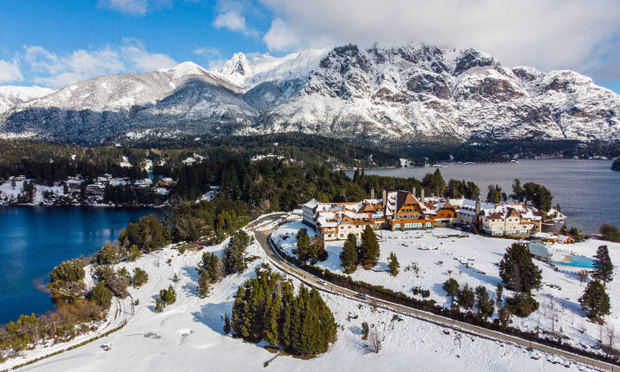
<point x="303" y="242"/>
<point x="238" y="313"/>
<point x="465" y="297"/>
<point x="348" y="256"/>
<point x="499" y="293"/>
<point x="393" y="264"/>
<point x="594" y="300"/>
<point x="610" y="232"/>
<point x="518" y="271"/>
<point x="369" y="250"/>
<point x="484" y="301"/>
<point x="226" y="328"/>
<point x="603" y="268"/>
<point x="272" y="311"/>
<point x="518" y="193"/>
<point x="451" y="286"/>
<point x="286" y="314"/>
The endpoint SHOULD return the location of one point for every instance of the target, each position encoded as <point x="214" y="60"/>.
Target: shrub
<point x="521" y="305"/>
<point x="166" y="297"/>
<point x="102" y="295"/>
<point x="365" y="331"/>
<point x="485" y="303"/>
<point x="66" y="281"/>
<point x="610" y="232"/>
<point x="465" y="297"/>
<point x="140" y="277"/>
<point x="451" y="286"/>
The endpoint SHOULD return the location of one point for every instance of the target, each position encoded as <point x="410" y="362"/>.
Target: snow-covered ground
<point x="9" y="194"/>
<point x="57" y="194"/>
<point x="443" y="253"/>
<point x="188" y="334"/>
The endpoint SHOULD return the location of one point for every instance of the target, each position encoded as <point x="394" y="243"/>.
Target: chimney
<point x="384" y="198"/>
<point x="413" y="190"/>
<point x="372" y="193"/>
<point x="422" y="195"/>
<point x="477" y="211"/>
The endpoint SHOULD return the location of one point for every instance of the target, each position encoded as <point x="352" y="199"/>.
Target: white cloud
<point x="9" y="72"/>
<point x="234" y="21"/>
<point x="144" y="60"/>
<point x="280" y="36"/>
<point x="230" y="20"/>
<point x="212" y="56"/>
<point x="56" y="71"/>
<point x="548" y="34"/>
<point x="134" y="7"/>
<point x="207" y="52"/>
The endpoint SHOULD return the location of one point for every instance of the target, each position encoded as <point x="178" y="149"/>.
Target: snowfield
<point x="188" y="334"/>
<point x="443" y="253"/>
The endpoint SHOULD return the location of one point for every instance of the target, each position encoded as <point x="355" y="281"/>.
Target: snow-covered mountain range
<point x="11" y="96"/>
<point x="379" y="93"/>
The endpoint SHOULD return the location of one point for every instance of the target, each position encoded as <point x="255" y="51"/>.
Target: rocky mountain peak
<point x="237" y="65"/>
<point x="392" y="93"/>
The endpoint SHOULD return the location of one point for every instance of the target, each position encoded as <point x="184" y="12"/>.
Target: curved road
<point x="264" y="226"/>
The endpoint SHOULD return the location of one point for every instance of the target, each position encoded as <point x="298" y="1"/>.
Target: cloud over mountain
<point x="548" y="34"/>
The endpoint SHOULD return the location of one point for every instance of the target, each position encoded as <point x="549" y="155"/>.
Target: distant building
<point x="166" y="182"/>
<point x="514" y="219"/>
<point x="403" y="210"/>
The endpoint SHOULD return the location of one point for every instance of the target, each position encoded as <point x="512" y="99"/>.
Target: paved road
<point x="264" y="226"/>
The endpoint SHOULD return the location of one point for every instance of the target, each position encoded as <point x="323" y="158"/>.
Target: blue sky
<point x="57" y="42"/>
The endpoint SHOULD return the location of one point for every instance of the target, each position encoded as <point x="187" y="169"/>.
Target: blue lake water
<point x="588" y="190"/>
<point x="33" y="240"/>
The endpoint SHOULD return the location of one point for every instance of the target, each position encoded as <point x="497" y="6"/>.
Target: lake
<point x="587" y="190"/>
<point x="33" y="240"/>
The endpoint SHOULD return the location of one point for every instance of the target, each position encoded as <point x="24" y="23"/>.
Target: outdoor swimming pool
<point x="577" y="261"/>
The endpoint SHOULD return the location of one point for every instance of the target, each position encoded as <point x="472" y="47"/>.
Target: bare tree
<point x="553" y="316"/>
<point x="609" y="340"/>
<point x="582" y="276"/>
<point x="375" y="340"/>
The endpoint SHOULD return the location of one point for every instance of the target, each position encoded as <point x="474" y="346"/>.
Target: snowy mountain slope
<point x="396" y="94"/>
<point x="11" y="96"/>
<point x="122" y="91"/>
<point x="263" y="68"/>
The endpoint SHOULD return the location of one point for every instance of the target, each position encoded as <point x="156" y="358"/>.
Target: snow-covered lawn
<point x="443" y="253"/>
<point x="188" y="335"/>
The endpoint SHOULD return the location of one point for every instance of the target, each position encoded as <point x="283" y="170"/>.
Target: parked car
<point x="361" y="295"/>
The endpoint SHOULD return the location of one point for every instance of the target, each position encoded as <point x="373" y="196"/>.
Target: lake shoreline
<point x="36" y="239"/>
